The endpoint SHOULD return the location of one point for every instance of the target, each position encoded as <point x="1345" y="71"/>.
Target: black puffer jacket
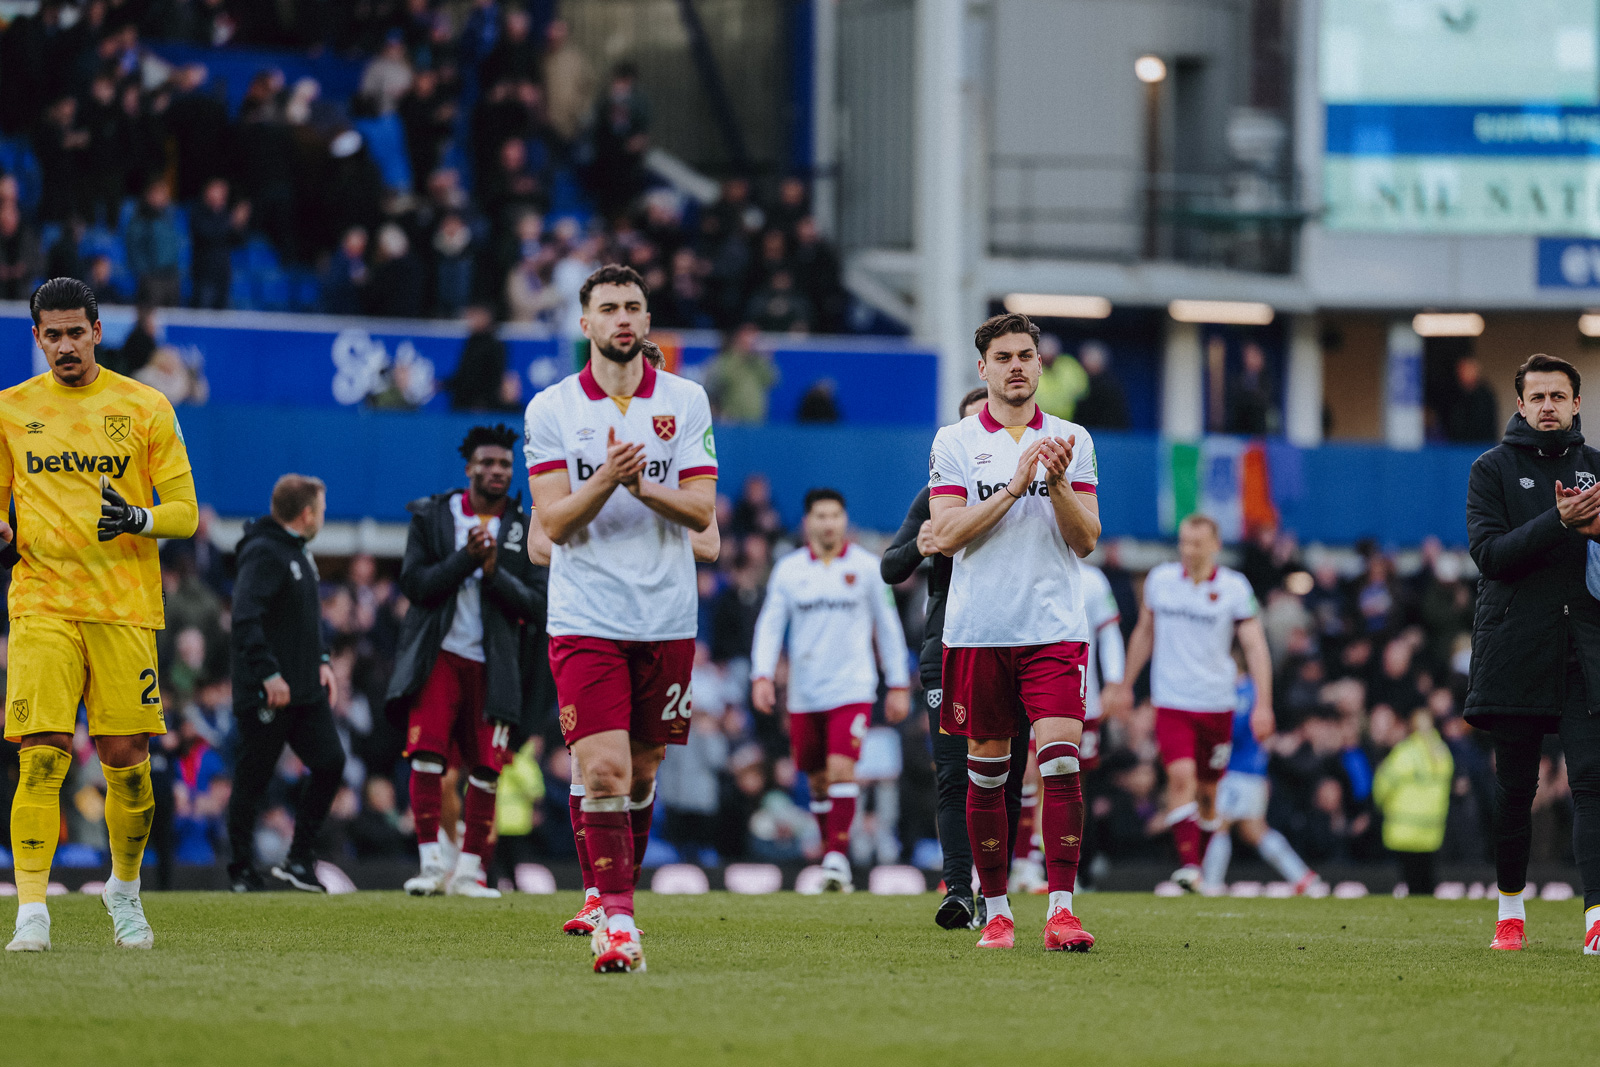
<point x="513" y="606"/>
<point x="900" y="561"/>
<point x="277" y="615"/>
<point x="1536" y="637"/>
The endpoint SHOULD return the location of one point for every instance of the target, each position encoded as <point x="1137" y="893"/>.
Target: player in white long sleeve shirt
<point x="828" y="605"/>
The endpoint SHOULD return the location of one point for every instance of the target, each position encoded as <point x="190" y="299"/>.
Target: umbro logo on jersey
<point x="36" y="427"/>
<point x="68" y="462"/>
<point x="586" y="434"/>
<point x="982" y="457"/>
<point x="1526" y="483"/>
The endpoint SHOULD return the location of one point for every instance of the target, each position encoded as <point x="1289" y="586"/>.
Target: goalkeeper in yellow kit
<point x="85" y="451"/>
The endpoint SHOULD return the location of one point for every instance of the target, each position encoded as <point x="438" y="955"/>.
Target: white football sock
<point x="1059" y="898"/>
<point x="1512" y="907"/>
<point x="431" y="855"/>
<point x="998" y="906"/>
<point x="1590" y="917"/>
<point x="469" y="866"/>
<point x="1276" y="850"/>
<point x="118" y="887"/>
<point x="621" y="924"/>
<point x="27" y="911"/>
<point x="1219" y="853"/>
<point x="590" y="893"/>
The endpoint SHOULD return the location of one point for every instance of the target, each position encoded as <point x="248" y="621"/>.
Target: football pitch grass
<point x="280" y="978"/>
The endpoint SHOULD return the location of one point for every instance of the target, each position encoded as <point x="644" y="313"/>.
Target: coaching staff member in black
<point x="283" y="688"/>
<point x="1532" y="502"/>
<point x="905" y="554"/>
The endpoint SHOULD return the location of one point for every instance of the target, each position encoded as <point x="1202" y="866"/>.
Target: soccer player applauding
<point x="622" y="465"/>
<point x="85" y="450"/>
<point x="830" y="601"/>
<point x="1012" y="494"/>
<point x="1192" y="611"/>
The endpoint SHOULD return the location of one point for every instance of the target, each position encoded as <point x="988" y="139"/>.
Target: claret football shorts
<point x="638" y="686"/>
<point x="57" y="663"/>
<point x="816" y="735"/>
<point x="989" y="691"/>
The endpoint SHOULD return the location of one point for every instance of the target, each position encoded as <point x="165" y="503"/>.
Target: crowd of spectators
<point x="481" y="161"/>
<point x="1357" y="652"/>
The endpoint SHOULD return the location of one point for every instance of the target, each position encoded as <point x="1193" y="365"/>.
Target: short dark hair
<point x="972" y="397"/>
<point x="1000" y="325"/>
<point x="612" y="274"/>
<point x="64" y="294"/>
<point x="500" y="435"/>
<point x="293" y="493"/>
<point x="817" y="496"/>
<point x="1541" y="362"/>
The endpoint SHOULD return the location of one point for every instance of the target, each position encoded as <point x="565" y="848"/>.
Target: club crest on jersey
<point x="959" y="712"/>
<point x="1213" y="595"/>
<point x="1585" y="479"/>
<point x="117" y="427"/>
<point x="935" y="697"/>
<point x="665" y="426"/>
<point x="850" y="579"/>
<point x="19" y="710"/>
<point x="569" y="718"/>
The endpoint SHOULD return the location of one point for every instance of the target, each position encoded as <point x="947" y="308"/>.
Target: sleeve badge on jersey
<point x="117" y="427"/>
<point x="665" y="426"/>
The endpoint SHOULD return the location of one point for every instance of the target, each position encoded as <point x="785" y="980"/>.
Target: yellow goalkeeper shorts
<point x="57" y="663"/>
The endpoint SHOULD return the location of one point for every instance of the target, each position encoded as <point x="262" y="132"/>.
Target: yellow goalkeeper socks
<point x="36" y="818"/>
<point x="130" y="808"/>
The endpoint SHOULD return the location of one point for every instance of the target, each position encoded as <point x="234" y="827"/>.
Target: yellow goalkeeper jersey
<point x="57" y="444"/>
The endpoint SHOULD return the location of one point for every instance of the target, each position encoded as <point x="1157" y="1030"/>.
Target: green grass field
<point x="381" y="978"/>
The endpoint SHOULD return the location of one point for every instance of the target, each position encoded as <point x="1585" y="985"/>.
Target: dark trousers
<point x="1517" y="745"/>
<point x="950" y="808"/>
<point x="1416" y="870"/>
<point x="307" y="729"/>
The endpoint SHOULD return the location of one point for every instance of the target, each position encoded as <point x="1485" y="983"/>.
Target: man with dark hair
<point x="830" y="602"/>
<point x="910" y="546"/>
<point x="83" y="453"/>
<point x="1532" y="502"/>
<point x="283" y="687"/>
<point x="623" y="600"/>
<point x="1013" y="660"/>
<point x="464" y="672"/>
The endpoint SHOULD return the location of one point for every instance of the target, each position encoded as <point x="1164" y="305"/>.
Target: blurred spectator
<point x="818" y="405"/>
<point x="348" y="280"/>
<point x="569" y="83"/>
<point x="398" y="279"/>
<point x="475" y="386"/>
<point x="1470" y="413"/>
<point x="215" y="230"/>
<point x="515" y="55"/>
<point x="621" y="136"/>
<point x="1062" y="380"/>
<point x="454" y="254"/>
<point x="777" y="307"/>
<point x="1103" y="404"/>
<point x="429" y="118"/>
<point x="20" y="260"/>
<point x="1412" y="789"/>
<point x="517" y="816"/>
<point x="1251" y="403"/>
<point x="154" y="244"/>
<point x="740" y="377"/>
<point x="168" y="374"/>
<point x="754" y="512"/>
<point x="817" y="273"/>
<point x="388" y="75"/>
<point x="379" y="830"/>
<point x="140" y="344"/>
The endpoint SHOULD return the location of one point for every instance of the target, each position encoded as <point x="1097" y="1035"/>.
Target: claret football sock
<point x="986" y="822"/>
<point x="130" y="810"/>
<point x="427" y="797"/>
<point x="610" y="836"/>
<point x="1061" y="814"/>
<point x="1186" y="833"/>
<point x="36" y="818"/>
<point x="640" y="813"/>
<point x="579" y="838"/>
<point x="1025" y="822"/>
<point x="841" y="814"/>
<point x="478" y="812"/>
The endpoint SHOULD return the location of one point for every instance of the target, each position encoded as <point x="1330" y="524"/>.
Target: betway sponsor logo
<point x="656" y="470"/>
<point x="67" y="462"/>
<point x="989" y="489"/>
<point x="827" y="604"/>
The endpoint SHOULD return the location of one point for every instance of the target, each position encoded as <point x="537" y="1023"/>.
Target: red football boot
<point x="1591" y="941"/>
<point x="1509" y="936"/>
<point x="589" y="918"/>
<point x="617" y="952"/>
<point x="1001" y="932"/>
<point x="1064" y="933"/>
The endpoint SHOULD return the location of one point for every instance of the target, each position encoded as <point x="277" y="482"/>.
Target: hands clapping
<point x="1579" y="509"/>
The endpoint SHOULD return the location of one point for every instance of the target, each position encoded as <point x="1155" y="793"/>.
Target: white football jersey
<point x="832" y="612"/>
<point x="628" y="575"/>
<point x="1105" y="641"/>
<point x="1018" y="583"/>
<point x="1192" y="666"/>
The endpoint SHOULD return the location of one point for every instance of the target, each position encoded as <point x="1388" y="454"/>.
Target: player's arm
<point x="707" y="543"/>
<point x="891" y="641"/>
<point x="771" y="625"/>
<point x="693" y="505"/>
<point x="8" y="550"/>
<point x="1140" y="644"/>
<point x="563" y="510"/>
<point x="905" y="553"/>
<point x="178" y="514"/>
<point x="538" y="544"/>
<point x="257" y="584"/>
<point x="958" y="522"/>
<point x="1258" y="661"/>
<point x="1076" y="507"/>
<point x="428" y="581"/>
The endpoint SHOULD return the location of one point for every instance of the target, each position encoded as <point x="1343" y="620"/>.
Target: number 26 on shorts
<point x="677" y="703"/>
